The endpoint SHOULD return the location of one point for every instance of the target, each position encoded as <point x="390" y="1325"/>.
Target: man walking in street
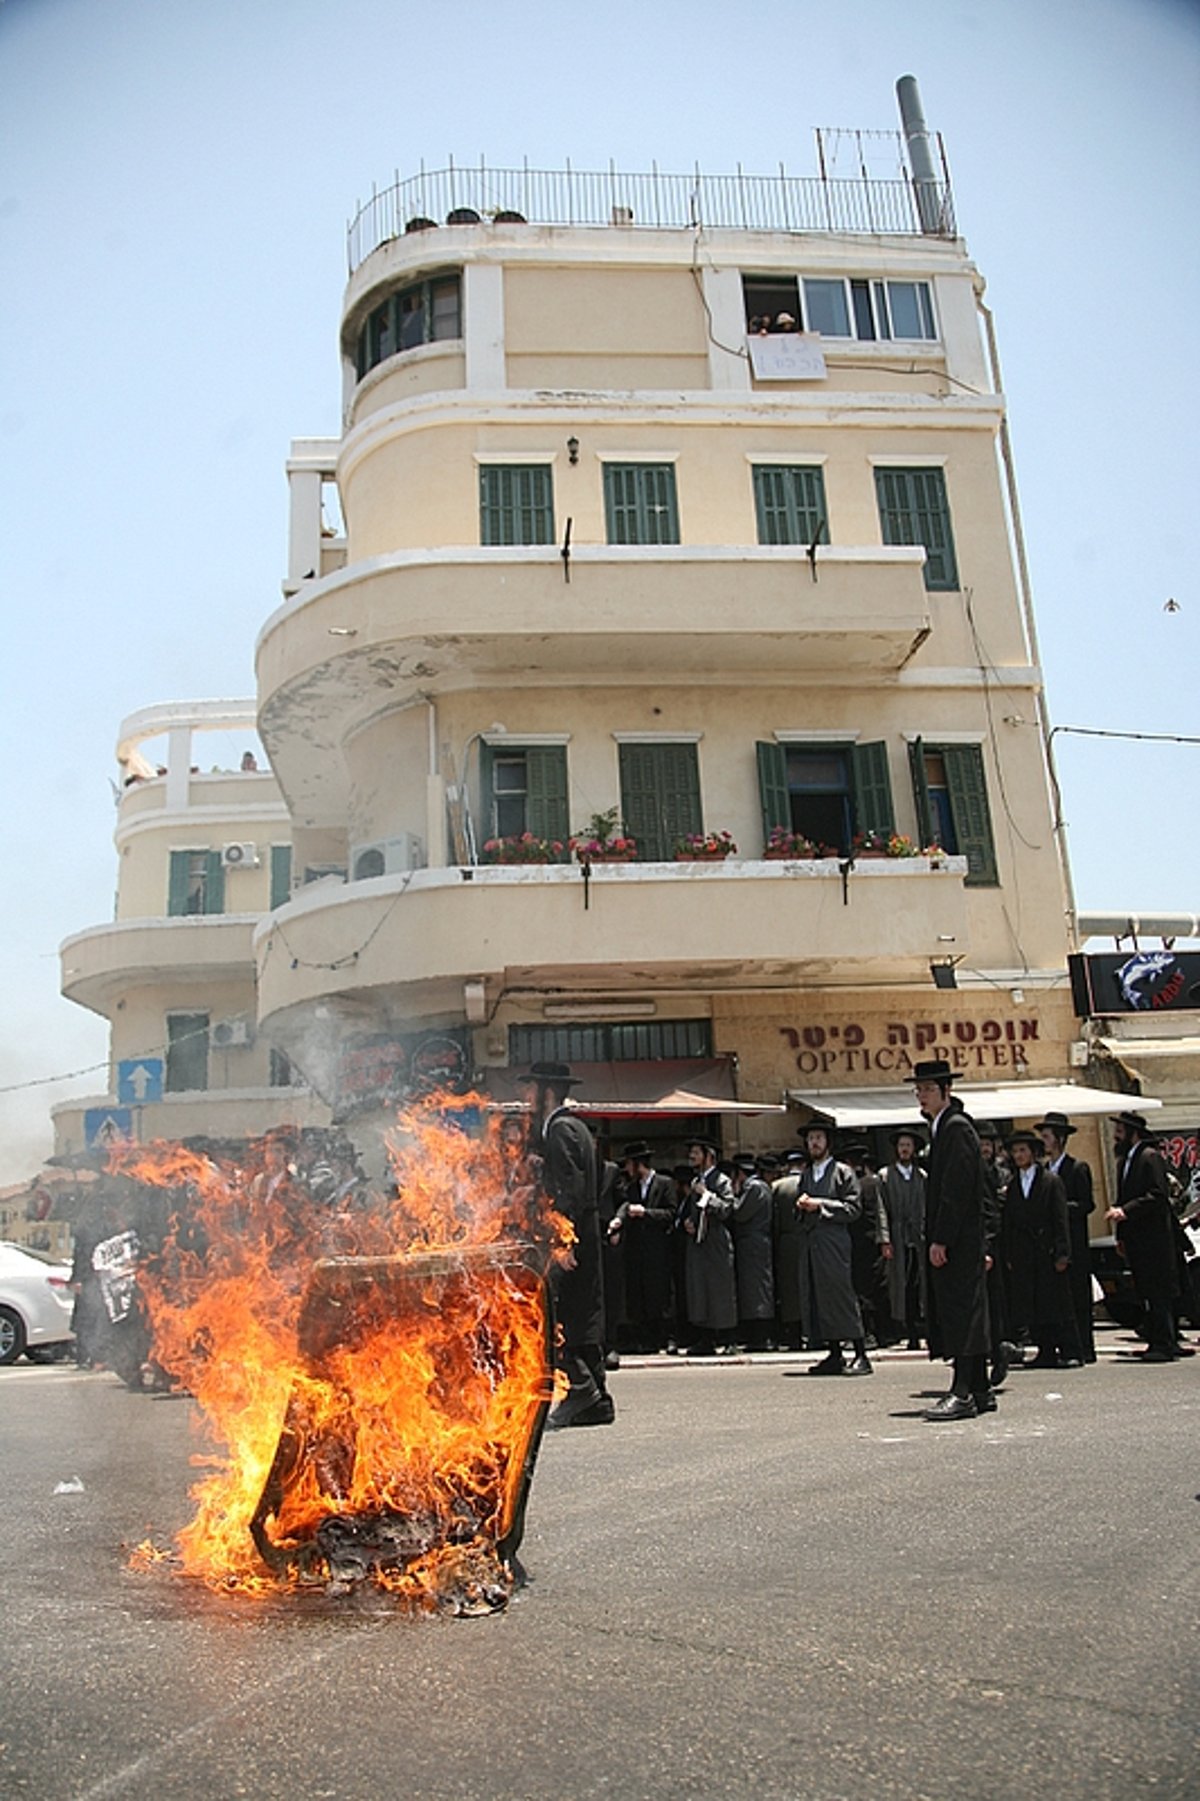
<point x="570" y="1177"/>
<point x="954" y="1233"/>
<point x="1145" y="1233"/>
<point x="1055" y="1131"/>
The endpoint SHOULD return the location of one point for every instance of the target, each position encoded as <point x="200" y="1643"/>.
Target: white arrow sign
<point x="140" y="1080"/>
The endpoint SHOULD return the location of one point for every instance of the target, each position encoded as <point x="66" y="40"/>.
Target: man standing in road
<point x="642" y="1227"/>
<point x="708" y="1264"/>
<point x="570" y="1178"/>
<point x="954" y="1232"/>
<point x="827" y="1204"/>
<point x="1076" y="1178"/>
<point x="902" y="1191"/>
<point x="1145" y="1232"/>
<point x="752" y="1253"/>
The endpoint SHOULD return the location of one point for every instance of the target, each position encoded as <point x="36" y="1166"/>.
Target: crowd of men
<point x="971" y="1246"/>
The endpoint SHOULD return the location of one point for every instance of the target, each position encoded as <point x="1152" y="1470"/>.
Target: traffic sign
<point x="139" y="1081"/>
<point x="106" y="1126"/>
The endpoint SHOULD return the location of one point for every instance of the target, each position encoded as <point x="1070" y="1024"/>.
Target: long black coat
<point x="954" y="1217"/>
<point x="645" y="1249"/>
<point x="828" y="1304"/>
<point x="1034" y="1236"/>
<point x="752" y="1251"/>
<point x="708" y="1259"/>
<point x="1147" y="1233"/>
<point x="902" y="1199"/>
<point x="570" y="1177"/>
<point x="1076" y="1178"/>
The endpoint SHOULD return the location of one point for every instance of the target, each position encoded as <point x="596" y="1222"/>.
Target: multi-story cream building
<point x="202" y="853"/>
<point x="685" y="500"/>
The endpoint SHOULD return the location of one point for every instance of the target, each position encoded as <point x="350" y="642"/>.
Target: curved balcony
<point x="417" y="623"/>
<point x="104" y="962"/>
<point x="405" y="945"/>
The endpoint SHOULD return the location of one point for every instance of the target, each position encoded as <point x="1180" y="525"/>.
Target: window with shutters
<point x="196" y="883"/>
<point x="913" y="510"/>
<point x="790" y="503"/>
<point x="639" y="503"/>
<point x="525" y="790"/>
<point x="950" y="790"/>
<point x="516" y="503"/>
<point x="281" y="875"/>
<point x="603" y="1043"/>
<point x="187" y="1052"/>
<point x="424" y="313"/>
<point x="826" y="792"/>
<point x="660" y="796"/>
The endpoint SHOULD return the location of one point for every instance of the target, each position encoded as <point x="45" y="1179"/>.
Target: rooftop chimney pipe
<point x="920" y="154"/>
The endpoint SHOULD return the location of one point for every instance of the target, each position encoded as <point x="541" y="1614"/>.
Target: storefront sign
<point x="384" y="1069"/>
<point x="891" y="1047"/>
<point x="1135" y="982"/>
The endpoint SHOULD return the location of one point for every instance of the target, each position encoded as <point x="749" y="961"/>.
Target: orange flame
<point x="372" y="1370"/>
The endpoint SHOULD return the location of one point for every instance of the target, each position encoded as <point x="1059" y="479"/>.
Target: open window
<point x="525" y="790"/>
<point x="827" y="792"/>
<point x="950" y="789"/>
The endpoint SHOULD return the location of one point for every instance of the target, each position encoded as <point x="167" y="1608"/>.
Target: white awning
<point x="1138" y="1048"/>
<point x="1007" y="1100"/>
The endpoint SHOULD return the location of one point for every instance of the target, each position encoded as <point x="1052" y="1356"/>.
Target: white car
<point x="35" y="1304"/>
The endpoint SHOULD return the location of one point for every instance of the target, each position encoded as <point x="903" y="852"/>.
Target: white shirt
<point x="1027" y="1176"/>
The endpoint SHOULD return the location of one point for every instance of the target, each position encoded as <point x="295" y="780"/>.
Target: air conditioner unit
<point x="239" y="856"/>
<point x="227" y="1034"/>
<point x="387" y="856"/>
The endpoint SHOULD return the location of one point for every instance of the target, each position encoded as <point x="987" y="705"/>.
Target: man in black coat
<point x="753" y="1254"/>
<point x="954" y="1233"/>
<point x="570" y="1178"/>
<point x="1076" y="1177"/>
<point x="1035" y="1244"/>
<point x="641" y="1227"/>
<point x="1144" y="1226"/>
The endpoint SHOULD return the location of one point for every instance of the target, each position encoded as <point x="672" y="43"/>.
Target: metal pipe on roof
<point x="920" y="154"/>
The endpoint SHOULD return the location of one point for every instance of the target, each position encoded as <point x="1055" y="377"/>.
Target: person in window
<point x="1035" y="1243"/>
<point x="828" y="1201"/>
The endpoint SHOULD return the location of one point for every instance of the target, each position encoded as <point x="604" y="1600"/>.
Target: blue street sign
<point x="104" y="1126"/>
<point x="139" y="1081"/>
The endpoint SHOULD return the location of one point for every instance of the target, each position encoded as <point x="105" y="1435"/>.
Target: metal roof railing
<point x="656" y="201"/>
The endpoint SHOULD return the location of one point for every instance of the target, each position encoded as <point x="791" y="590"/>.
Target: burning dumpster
<point x="374" y="1368"/>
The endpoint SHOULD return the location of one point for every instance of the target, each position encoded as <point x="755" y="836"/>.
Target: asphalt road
<point x="753" y="1585"/>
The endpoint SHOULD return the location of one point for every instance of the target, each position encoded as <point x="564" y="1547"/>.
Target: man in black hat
<point x="827" y="1203"/>
<point x="1035" y="1244"/>
<point x="954" y="1235"/>
<point x="1145" y="1232"/>
<point x="868" y="1235"/>
<point x="1076" y="1177"/>
<point x="642" y="1228"/>
<point x="708" y="1265"/>
<point x="902" y="1192"/>
<point x="785" y="1232"/>
<point x="752" y="1253"/>
<point x="570" y="1178"/>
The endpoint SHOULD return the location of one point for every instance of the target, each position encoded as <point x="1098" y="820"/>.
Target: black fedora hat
<point x="987" y="1128"/>
<point x="637" y="1152"/>
<point x="1136" y="1120"/>
<point x="853" y="1146"/>
<point x="916" y="1133"/>
<point x="796" y="1156"/>
<point x="933" y="1069"/>
<point x="1030" y="1138"/>
<point x="1056" y="1122"/>
<point x="746" y="1163"/>
<point x="553" y="1075"/>
<point x="704" y="1144"/>
<point x="767" y="1160"/>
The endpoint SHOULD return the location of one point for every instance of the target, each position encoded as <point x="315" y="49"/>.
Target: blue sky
<point x="174" y="186"/>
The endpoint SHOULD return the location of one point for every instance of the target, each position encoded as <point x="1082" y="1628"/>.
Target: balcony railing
<point x="657" y="201"/>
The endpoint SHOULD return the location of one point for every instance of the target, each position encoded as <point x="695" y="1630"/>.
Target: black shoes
<point x="829" y="1366"/>
<point x="579" y="1408"/>
<point x="985" y="1403"/>
<point x="952" y="1407"/>
<point x="860" y="1367"/>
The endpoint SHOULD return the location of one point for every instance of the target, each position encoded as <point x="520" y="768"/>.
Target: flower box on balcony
<point x="704" y="847"/>
<point x="522" y="849"/>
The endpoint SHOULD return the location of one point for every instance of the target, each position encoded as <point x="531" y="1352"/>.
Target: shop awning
<point x="1160" y="1051"/>
<point x="1006" y="1100"/>
<point x="678" y="1087"/>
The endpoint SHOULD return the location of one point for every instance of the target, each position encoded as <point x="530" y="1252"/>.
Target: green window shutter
<point x="640" y="505"/>
<point x="516" y="504"/>
<point x="790" y="504"/>
<point x="926" y="824"/>
<point x="913" y="510"/>
<point x="873" y="789"/>
<point x="281" y="875"/>
<point x="177" y="885"/>
<point x="487" y="794"/>
<point x="660" y="796"/>
<point x="772" y="788"/>
<point x="967" y="787"/>
<point x="546" y="793"/>
<point x="214" y="884"/>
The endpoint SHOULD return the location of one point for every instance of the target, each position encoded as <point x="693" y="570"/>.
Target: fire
<point x="372" y="1370"/>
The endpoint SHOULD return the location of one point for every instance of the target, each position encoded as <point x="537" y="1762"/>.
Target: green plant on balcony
<point x="604" y="840"/>
<point x="704" y="847"/>
<point x="900" y="846"/>
<point x="522" y="848"/>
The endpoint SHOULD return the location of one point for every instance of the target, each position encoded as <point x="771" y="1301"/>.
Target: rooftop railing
<point x="475" y="194"/>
